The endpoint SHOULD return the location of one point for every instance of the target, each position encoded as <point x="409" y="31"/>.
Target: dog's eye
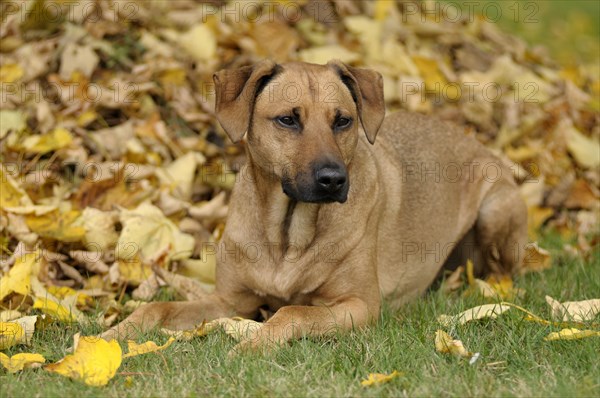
<point x="342" y="123"/>
<point x="286" y="121"/>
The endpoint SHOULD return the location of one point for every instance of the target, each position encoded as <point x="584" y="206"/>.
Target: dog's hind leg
<point x="501" y="229"/>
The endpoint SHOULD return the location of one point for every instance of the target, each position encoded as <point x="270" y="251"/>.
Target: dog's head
<point x="302" y="121"/>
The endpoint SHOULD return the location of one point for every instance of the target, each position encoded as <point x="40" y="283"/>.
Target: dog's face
<point x="303" y="122"/>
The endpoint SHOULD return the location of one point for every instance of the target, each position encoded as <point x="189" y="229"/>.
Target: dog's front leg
<point x="295" y="321"/>
<point x="177" y="315"/>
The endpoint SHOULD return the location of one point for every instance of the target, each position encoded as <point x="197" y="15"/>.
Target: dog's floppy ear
<point x="366" y="87"/>
<point x="236" y="90"/>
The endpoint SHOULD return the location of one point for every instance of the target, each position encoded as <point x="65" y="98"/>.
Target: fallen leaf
<point x="12" y="120"/>
<point x="95" y="361"/>
<point x="585" y="150"/>
<point x="571" y="334"/>
<point x="199" y="42"/>
<point x="21" y="361"/>
<point x="134" y="349"/>
<point x="11" y="194"/>
<point x="236" y="327"/>
<point x="379" y="378"/>
<point x="577" y="311"/>
<point x="536" y="259"/>
<point x="479" y="312"/>
<point x="18" y="278"/>
<point x="447" y="345"/>
<point x="147" y="231"/>
<point x="11" y="333"/>
<point x="44" y="143"/>
<point x="56" y="310"/>
<point x="61" y="226"/>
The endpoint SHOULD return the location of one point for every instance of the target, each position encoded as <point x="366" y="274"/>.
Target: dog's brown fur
<point x="422" y="195"/>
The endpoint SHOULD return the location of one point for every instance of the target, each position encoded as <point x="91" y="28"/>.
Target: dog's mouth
<point x="315" y="194"/>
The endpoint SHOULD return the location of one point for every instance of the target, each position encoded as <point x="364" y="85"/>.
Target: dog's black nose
<point x="331" y="179"/>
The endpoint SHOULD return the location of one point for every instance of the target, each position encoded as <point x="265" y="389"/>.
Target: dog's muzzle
<point x="328" y="183"/>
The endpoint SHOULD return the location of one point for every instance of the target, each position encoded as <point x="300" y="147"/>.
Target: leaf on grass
<point x="379" y="378"/>
<point x="18" y="278"/>
<point x="27" y="323"/>
<point x="57" y="310"/>
<point x="447" y="345"/>
<point x="21" y="361"/>
<point x="571" y="334"/>
<point x="236" y="327"/>
<point x="577" y="311"/>
<point x="95" y="361"/>
<point x="187" y="335"/>
<point x="11" y="333"/>
<point x="134" y="349"/>
<point x="494" y="287"/>
<point x="536" y="259"/>
<point x="479" y="312"/>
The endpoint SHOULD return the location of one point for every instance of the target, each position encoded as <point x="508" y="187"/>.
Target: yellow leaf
<point x="95" y="361"/>
<point x="180" y="174"/>
<point x="571" y="334"/>
<point x="11" y="333"/>
<point x="577" y="311"/>
<point x="174" y="77"/>
<point x="62" y="292"/>
<point x="236" y="327"/>
<point x="585" y="150"/>
<point x="56" y="310"/>
<point x="379" y="378"/>
<point x="321" y="55"/>
<point x="536" y="216"/>
<point x="18" y="278"/>
<point x="493" y="288"/>
<point x="148" y="232"/>
<point x="10" y="73"/>
<point x="480" y="312"/>
<point x="445" y="344"/>
<point x="61" y="226"/>
<point x="383" y="9"/>
<point x="133" y="271"/>
<point x="186" y="335"/>
<point x="86" y="117"/>
<point x="199" y="42"/>
<point x="430" y="72"/>
<point x="136" y="349"/>
<point x="99" y="227"/>
<point x="20" y="361"/>
<point x="11" y="193"/>
<point x="55" y="139"/>
<point x="11" y="120"/>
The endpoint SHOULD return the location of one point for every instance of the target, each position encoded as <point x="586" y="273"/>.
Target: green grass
<point x="515" y="361"/>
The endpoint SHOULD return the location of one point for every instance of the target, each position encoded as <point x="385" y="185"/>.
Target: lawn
<point x="515" y="360"/>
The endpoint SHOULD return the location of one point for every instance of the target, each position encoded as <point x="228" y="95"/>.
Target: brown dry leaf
<point x="21" y="361"/>
<point x="134" y="349"/>
<point x="577" y="311"/>
<point x="572" y="334"/>
<point x="480" y="312"/>
<point x="454" y="281"/>
<point x="536" y="216"/>
<point x="536" y="259"/>
<point x="379" y="378"/>
<point x="95" y="361"/>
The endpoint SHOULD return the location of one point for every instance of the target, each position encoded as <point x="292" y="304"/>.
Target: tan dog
<point x="325" y="221"/>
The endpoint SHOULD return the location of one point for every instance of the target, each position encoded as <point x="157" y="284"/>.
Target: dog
<point x="327" y="221"/>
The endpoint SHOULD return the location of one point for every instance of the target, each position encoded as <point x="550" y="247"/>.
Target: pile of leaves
<point x="115" y="175"/>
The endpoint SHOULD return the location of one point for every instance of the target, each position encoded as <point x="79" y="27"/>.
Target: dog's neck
<point x="287" y="224"/>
